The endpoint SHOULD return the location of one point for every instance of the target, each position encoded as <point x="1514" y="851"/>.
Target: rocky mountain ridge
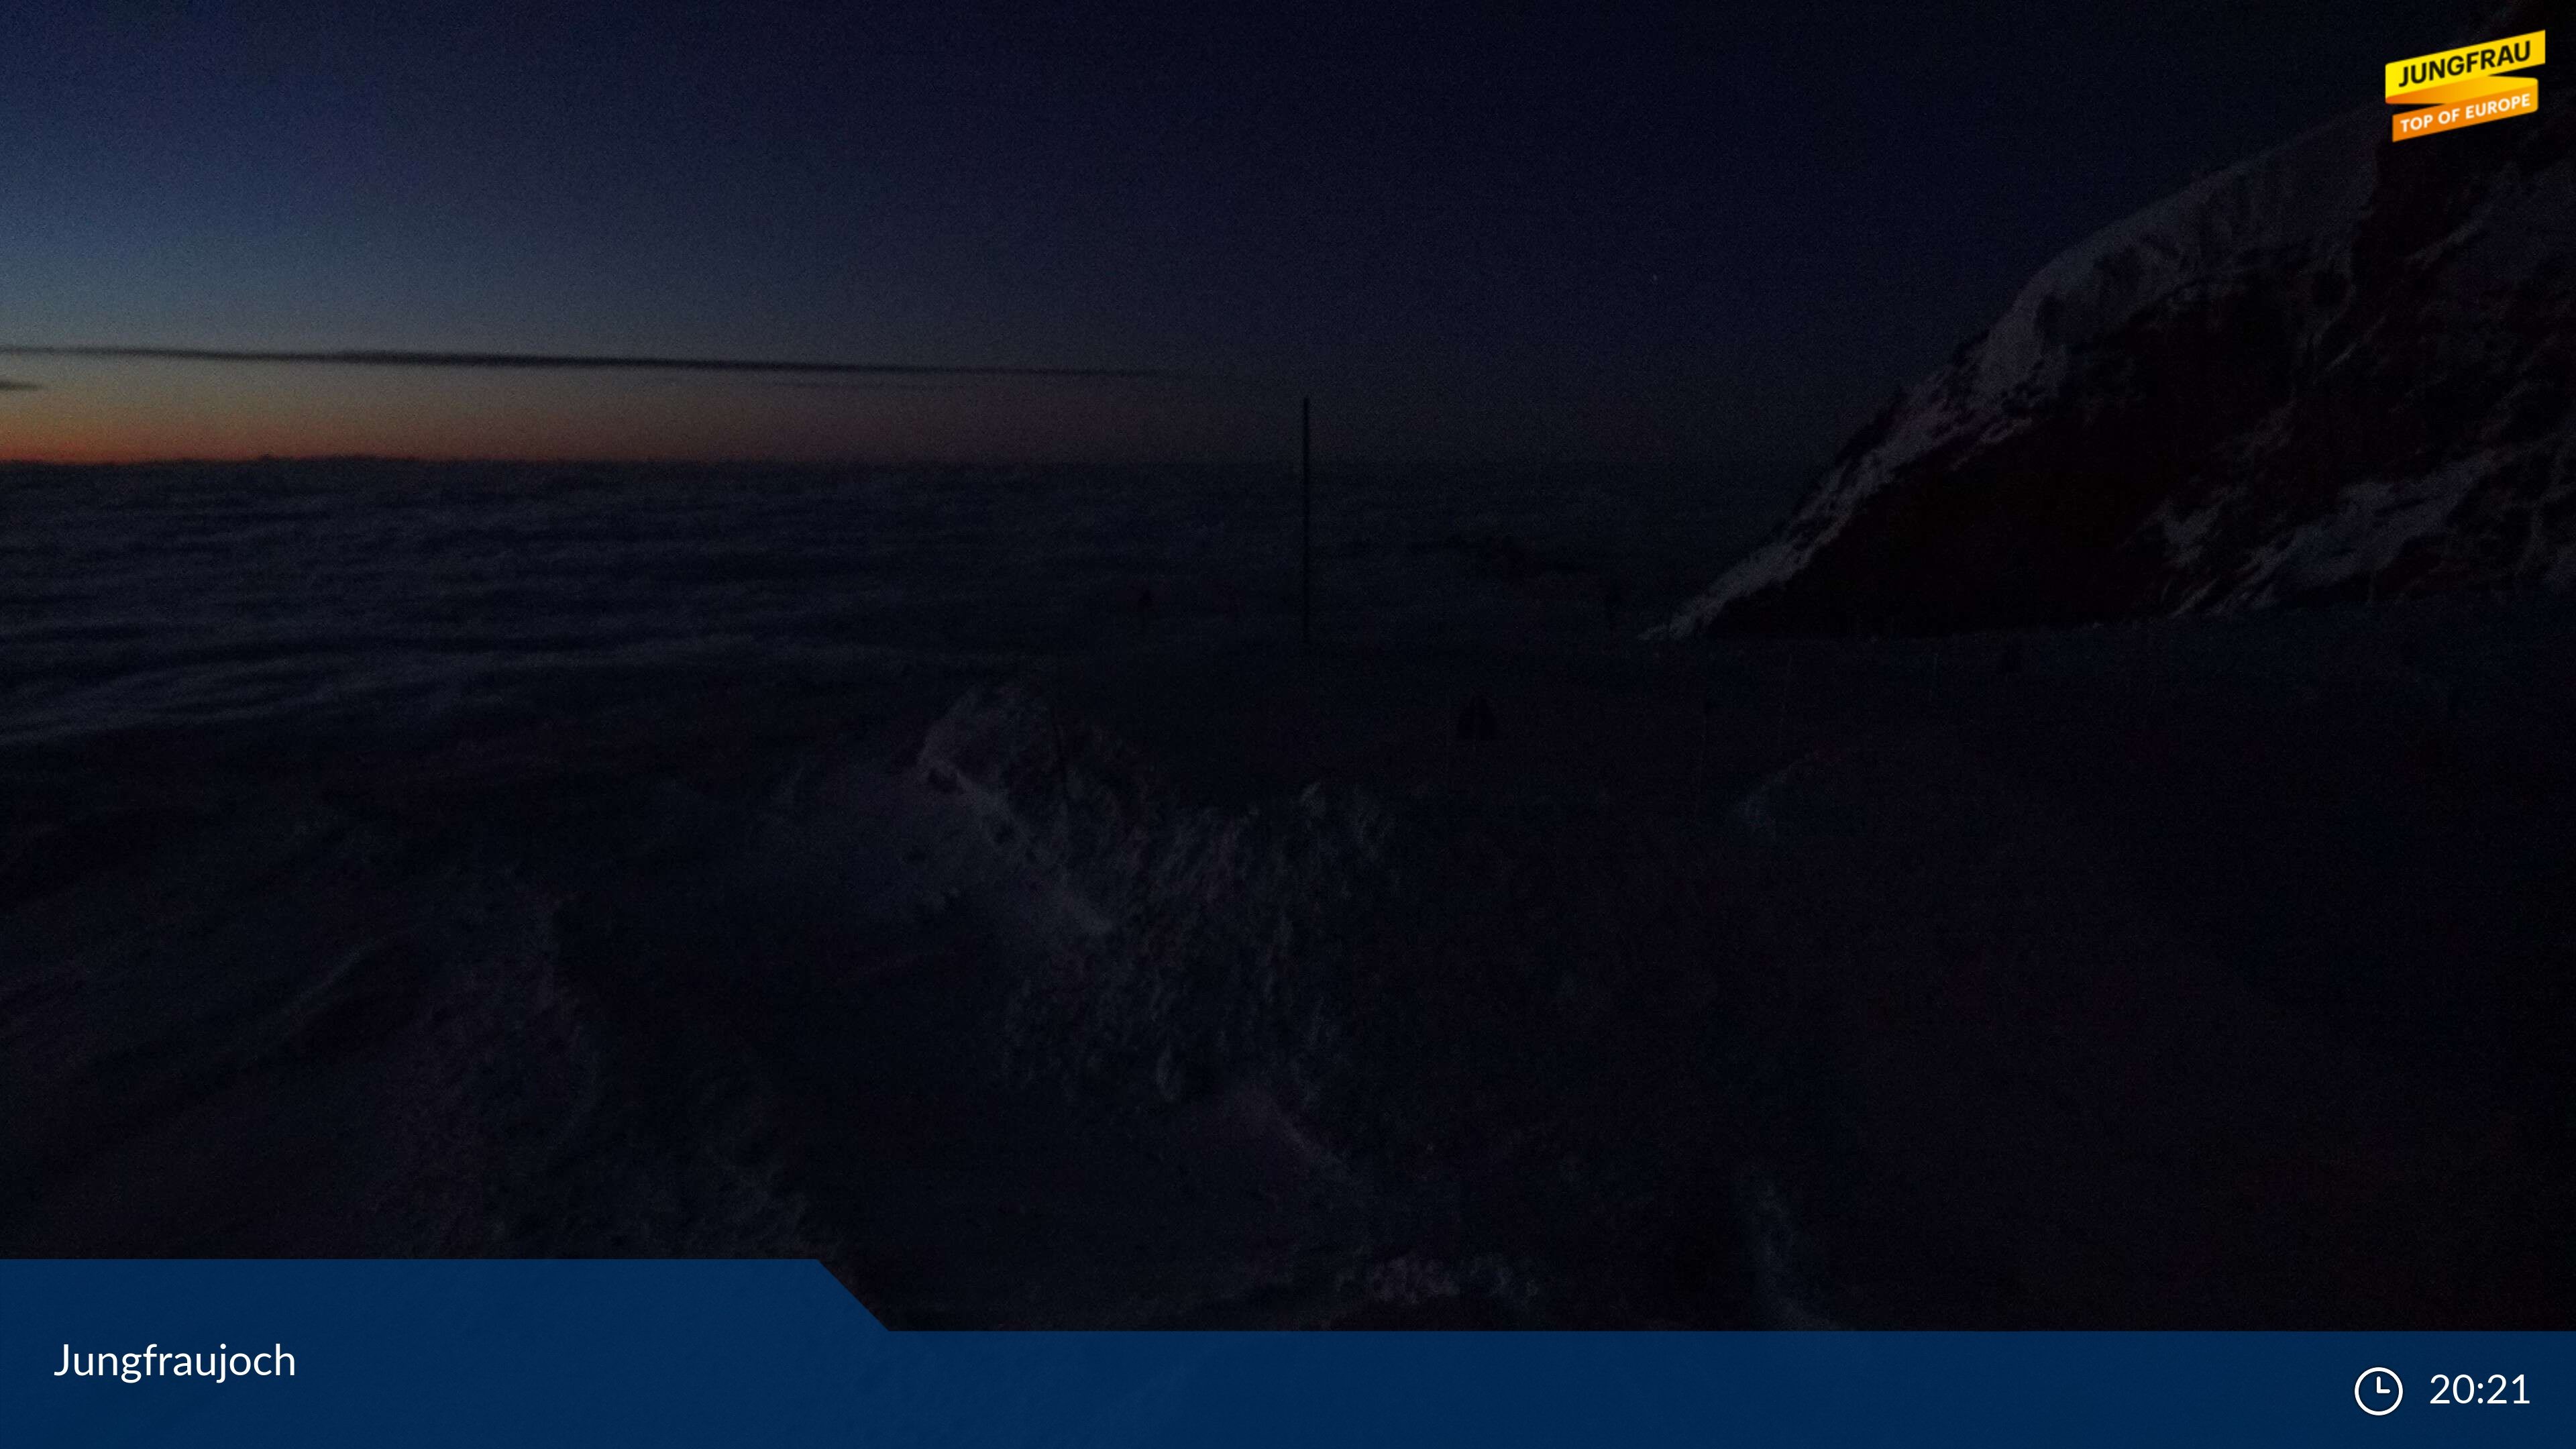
<point x="2342" y="369"/>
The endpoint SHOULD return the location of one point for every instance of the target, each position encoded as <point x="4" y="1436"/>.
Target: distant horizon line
<point x="590" y="362"/>
<point x="1364" y="462"/>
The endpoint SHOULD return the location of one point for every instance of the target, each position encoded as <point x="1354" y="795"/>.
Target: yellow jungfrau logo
<point x="2463" y="87"/>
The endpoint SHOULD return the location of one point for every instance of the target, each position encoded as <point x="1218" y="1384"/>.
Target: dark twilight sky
<point x="1668" y="232"/>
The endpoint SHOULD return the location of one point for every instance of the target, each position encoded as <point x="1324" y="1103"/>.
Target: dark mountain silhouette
<point x="2339" y="370"/>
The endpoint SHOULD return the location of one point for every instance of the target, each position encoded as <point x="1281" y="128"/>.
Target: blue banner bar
<point x="503" y="1353"/>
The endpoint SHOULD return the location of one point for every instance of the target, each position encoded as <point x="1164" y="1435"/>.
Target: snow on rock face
<point x="2341" y="368"/>
<point x="1473" y="999"/>
<point x="1189" y="945"/>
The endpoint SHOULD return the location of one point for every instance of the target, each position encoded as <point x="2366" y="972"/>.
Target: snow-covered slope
<point x="2340" y="369"/>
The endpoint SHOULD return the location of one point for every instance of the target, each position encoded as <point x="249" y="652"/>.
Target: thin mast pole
<point x="1306" y="520"/>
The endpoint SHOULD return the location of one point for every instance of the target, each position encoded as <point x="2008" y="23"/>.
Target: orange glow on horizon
<point x="223" y="417"/>
<point x="94" y="413"/>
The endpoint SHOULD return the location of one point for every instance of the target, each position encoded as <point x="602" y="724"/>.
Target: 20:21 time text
<point x="2473" y="1389"/>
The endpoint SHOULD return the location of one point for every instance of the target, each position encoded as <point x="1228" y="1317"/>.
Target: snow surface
<point x="1222" y="983"/>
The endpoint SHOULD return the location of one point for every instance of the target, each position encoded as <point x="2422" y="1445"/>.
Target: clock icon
<point x="2378" y="1391"/>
